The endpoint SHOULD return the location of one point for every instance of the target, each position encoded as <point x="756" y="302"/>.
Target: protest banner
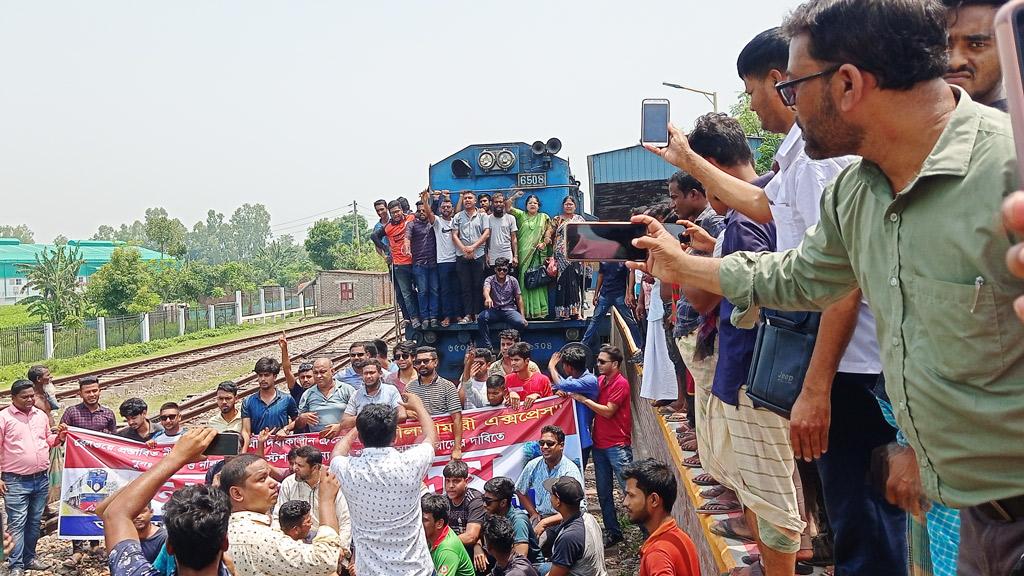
<point x="496" y="442"/>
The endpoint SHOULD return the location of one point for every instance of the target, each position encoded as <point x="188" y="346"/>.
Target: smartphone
<point x="654" y="122"/>
<point x="604" y="241"/>
<point x="1010" y="41"/>
<point x="679" y="231"/>
<point x="225" y="444"/>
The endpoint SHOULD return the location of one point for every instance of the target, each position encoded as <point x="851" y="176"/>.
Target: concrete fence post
<point x="181" y="320"/>
<point x="211" y="317"/>
<point x="101" y="333"/>
<point x="263" y="305"/>
<point x="238" y="307"/>
<point x="48" y="340"/>
<point x="144" y="328"/>
<point x="302" y="304"/>
<point x="280" y="296"/>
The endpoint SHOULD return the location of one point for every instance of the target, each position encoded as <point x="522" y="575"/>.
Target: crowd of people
<point x="907" y="414"/>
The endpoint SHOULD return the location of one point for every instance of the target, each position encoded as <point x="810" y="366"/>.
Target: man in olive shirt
<point x="913" y="225"/>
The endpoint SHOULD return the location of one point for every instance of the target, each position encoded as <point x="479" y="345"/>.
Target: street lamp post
<point x="711" y="96"/>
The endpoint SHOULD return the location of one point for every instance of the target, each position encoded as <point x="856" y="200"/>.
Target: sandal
<point x="445" y="323"/>
<point x="713" y="492"/>
<point x="725" y="529"/>
<point x="689" y="445"/>
<point x="73" y="561"/>
<point x="705" y="479"/>
<point x="676" y="417"/>
<point x="692" y="461"/>
<point x="720" y="507"/>
<point x="661" y="403"/>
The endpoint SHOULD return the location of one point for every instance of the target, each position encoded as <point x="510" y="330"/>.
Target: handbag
<point x="782" y="354"/>
<point x="536" y="276"/>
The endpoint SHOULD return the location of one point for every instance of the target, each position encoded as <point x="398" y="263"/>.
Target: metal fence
<point x="71" y="342"/>
<point x="22" y="344"/>
<point x="123" y="330"/>
<point x="225" y="314"/>
<point x="163" y="324"/>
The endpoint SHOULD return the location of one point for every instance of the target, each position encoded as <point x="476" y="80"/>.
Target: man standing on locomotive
<point x="449" y="301"/>
<point x="470" y="233"/>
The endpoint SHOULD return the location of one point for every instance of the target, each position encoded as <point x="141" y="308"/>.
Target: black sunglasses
<point x="548" y="443"/>
<point x="403" y="356"/>
<point x="787" y="89"/>
<point x="420" y="361"/>
<point x="168" y="416"/>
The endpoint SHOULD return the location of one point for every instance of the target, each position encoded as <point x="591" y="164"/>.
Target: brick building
<point x="344" y="291"/>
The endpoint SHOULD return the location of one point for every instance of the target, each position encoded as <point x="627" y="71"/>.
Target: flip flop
<point x="689" y="445"/>
<point x="713" y="492"/>
<point x="705" y="479"/>
<point x="676" y="417"/>
<point x="802" y="568"/>
<point x="692" y="461"/>
<point x="720" y="507"/>
<point x="724" y="529"/>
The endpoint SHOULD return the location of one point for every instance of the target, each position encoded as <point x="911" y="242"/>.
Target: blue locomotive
<point x="502" y="167"/>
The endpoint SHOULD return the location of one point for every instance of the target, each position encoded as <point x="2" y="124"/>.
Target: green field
<point x="11" y="316"/>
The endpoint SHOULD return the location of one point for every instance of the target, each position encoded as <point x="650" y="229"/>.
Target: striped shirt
<point x="439" y="397"/>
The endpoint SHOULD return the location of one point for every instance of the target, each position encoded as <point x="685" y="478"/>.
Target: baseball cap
<point x="567" y="489"/>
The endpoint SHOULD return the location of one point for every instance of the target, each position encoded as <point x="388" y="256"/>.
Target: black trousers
<point x="471" y="278"/>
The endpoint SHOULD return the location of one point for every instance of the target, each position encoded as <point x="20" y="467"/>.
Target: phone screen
<point x="604" y="241"/>
<point x="655" y="122"/>
<point x="225" y="444"/>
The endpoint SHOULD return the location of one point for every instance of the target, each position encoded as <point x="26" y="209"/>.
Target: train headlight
<point x="430" y="337"/>
<point x="486" y="160"/>
<point x="572" y="334"/>
<point x="506" y="159"/>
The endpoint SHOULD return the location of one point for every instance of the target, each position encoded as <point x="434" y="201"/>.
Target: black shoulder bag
<point x="782" y="353"/>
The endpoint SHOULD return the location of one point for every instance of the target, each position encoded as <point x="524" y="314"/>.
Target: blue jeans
<point x="427" y="289"/>
<point x="404" y="291"/>
<point x="25" y="500"/>
<point x="511" y="317"/>
<point x="608" y="461"/>
<point x="869" y="534"/>
<point x="605" y="304"/>
<point x="449" y="298"/>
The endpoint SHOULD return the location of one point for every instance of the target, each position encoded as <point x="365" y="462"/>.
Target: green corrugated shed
<point x="96" y="253"/>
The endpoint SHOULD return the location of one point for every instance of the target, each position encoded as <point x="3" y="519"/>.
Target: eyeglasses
<point x="548" y="443"/>
<point x="489" y="500"/>
<point x="403" y="356"/>
<point x="502" y="269"/>
<point x="599" y="361"/>
<point x="787" y="89"/>
<point x="421" y="361"/>
<point x="169" y="416"/>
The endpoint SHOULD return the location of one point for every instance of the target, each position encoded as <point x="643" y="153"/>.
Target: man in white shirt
<point x="836" y="418"/>
<point x="387" y="531"/>
<point x="304" y="484"/>
<point x="502" y="243"/>
<point x="259" y="550"/>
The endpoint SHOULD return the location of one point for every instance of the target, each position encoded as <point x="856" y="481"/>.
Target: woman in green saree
<point x="533" y="251"/>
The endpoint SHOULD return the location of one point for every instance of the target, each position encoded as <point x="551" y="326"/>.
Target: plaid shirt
<point x="79" y="416"/>
<point x="688" y="319"/>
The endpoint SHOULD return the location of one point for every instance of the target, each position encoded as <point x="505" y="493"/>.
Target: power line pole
<point x="355" y="222"/>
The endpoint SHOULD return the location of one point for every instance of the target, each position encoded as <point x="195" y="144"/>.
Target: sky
<point x="109" y="108"/>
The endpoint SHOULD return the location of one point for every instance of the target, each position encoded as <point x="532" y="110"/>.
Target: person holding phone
<point x="930" y="154"/>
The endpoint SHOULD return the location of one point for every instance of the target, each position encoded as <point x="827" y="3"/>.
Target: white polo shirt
<point x="795" y="193"/>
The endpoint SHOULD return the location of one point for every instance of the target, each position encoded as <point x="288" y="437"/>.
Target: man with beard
<point x="503" y="302"/>
<point x="151" y="536"/>
<point x="973" y="55"/>
<point x="228" y="418"/>
<point x="439" y="395"/>
<point x="136" y="414"/>
<point x="422" y="244"/>
<point x="470" y="234"/>
<point x="401" y="260"/>
<point x="374" y="391"/>
<point x="306" y="463"/>
<point x="650" y="493"/>
<point x="484" y="203"/>
<point x="929" y="152"/>
<point x="449" y="301"/>
<point x="502" y="242"/>
<point x="259" y="550"/>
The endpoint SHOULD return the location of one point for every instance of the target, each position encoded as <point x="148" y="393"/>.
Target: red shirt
<point x="396" y="239"/>
<point x="537" y="384"/>
<point x="669" y="552"/>
<point x="617" y="430"/>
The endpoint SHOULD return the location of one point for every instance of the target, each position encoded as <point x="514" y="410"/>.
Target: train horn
<point x="553" y="146"/>
<point x="538" y="148"/>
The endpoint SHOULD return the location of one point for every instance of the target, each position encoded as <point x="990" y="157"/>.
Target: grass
<point x="14" y="315"/>
<point x="99" y="359"/>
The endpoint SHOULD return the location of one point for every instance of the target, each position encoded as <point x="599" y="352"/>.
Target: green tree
<point x="167" y="234"/>
<point x="21" y="232"/>
<point x="354" y="229"/>
<point x="124" y="285"/>
<point x="362" y="257"/>
<point x="211" y="241"/>
<point x="283" y="262"/>
<point x="55" y="277"/>
<point x="134" y="233"/>
<point x="251" y="226"/>
<point x="752" y="127"/>
<point x="323" y="237"/>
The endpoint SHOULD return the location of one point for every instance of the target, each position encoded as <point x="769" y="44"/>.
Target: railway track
<point x="137" y="370"/>
<point x="195" y="407"/>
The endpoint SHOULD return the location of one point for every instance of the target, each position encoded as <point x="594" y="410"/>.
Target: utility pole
<point x="355" y="222"/>
<point x="711" y="96"/>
